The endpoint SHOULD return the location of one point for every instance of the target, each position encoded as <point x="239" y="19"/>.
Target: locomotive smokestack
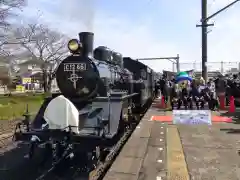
<point x="87" y="38"/>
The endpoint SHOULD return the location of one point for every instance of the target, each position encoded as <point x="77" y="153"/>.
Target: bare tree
<point x="43" y="45"/>
<point x="6" y="10"/>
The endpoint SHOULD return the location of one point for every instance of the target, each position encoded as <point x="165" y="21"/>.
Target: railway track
<point x="6" y="132"/>
<point x="6" y="125"/>
<point x="5" y="139"/>
<point x="99" y="172"/>
<point x="7" y="128"/>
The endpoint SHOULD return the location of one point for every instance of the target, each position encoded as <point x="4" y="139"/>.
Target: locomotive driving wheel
<point x="99" y="155"/>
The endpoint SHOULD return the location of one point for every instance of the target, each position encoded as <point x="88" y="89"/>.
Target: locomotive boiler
<point x="94" y="107"/>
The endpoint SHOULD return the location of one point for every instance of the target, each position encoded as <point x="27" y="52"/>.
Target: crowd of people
<point x="198" y="93"/>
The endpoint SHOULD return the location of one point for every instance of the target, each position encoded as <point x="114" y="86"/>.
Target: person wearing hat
<point x="201" y="90"/>
<point x="173" y="94"/>
<point x="194" y="93"/>
<point x="211" y="96"/>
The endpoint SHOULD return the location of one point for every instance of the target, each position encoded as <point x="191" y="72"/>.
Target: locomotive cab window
<point x="143" y="74"/>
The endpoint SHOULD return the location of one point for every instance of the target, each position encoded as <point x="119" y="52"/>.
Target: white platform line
<point x="151" y="118"/>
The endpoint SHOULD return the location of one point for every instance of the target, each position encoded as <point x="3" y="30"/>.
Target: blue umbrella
<point x="183" y="78"/>
<point x="182" y="74"/>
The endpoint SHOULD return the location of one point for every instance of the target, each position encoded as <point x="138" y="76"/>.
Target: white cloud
<point x="137" y="38"/>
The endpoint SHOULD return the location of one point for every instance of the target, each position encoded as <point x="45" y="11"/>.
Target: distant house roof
<point x="4" y="62"/>
<point x="3" y="70"/>
<point x="29" y="74"/>
<point x="34" y="61"/>
<point x="25" y="74"/>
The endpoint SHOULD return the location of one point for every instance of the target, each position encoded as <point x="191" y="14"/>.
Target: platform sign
<point x="192" y="117"/>
<point x="26" y="80"/>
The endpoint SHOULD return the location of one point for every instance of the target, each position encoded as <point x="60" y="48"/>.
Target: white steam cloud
<point x="82" y="11"/>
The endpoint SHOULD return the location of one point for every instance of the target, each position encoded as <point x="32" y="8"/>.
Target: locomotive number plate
<point x="75" y="66"/>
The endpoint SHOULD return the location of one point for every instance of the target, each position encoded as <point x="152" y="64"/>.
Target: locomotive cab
<point x="117" y="59"/>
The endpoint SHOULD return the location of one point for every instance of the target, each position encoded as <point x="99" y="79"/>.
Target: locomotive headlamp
<point x="73" y="45"/>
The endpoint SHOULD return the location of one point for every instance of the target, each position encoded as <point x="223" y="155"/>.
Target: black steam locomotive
<point x="102" y="94"/>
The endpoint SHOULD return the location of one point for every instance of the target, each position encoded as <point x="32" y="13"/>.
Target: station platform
<point x="159" y="150"/>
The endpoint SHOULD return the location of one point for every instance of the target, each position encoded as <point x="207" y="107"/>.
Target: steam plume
<point x="82" y="11"/>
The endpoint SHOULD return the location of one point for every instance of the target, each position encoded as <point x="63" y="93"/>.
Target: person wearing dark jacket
<point x="195" y="94"/>
<point x="157" y="87"/>
<point x="174" y="95"/>
<point x="163" y="88"/>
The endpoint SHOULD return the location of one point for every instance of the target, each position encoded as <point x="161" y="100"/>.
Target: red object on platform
<point x="231" y="105"/>
<point x="222" y="102"/>
<point x="163" y="102"/>
<point x="162" y="118"/>
<point x="221" y="119"/>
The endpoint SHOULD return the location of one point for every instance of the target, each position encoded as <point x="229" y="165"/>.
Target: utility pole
<point x="204" y="40"/>
<point x="204" y="25"/>
<point x="173" y="67"/>
<point x="178" y="63"/>
<point x="174" y="60"/>
<point x="222" y="67"/>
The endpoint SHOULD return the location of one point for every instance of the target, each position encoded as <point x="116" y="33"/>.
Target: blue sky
<point x="145" y="28"/>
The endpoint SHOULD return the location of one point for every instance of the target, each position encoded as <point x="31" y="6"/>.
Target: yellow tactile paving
<point x="176" y="164"/>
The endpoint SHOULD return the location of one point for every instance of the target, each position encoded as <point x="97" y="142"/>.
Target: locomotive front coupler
<point x="26" y="120"/>
<point x="43" y="136"/>
<point x="24" y="124"/>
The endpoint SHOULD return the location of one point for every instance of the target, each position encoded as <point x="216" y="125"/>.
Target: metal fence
<point x="223" y="67"/>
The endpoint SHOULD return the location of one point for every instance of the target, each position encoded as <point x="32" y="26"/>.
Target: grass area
<point x="12" y="107"/>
